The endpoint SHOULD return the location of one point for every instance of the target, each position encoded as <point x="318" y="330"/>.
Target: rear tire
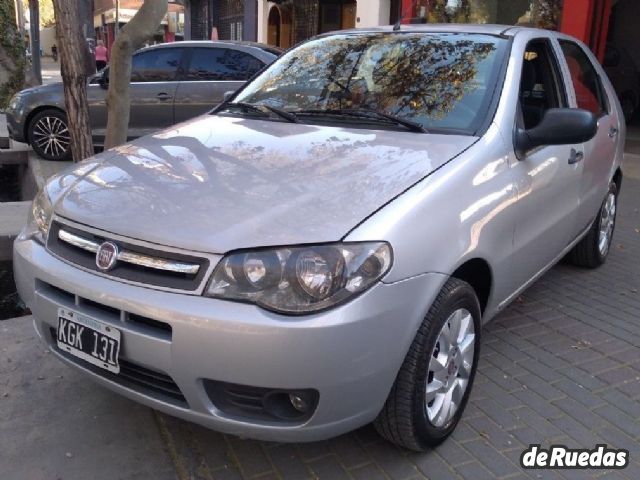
<point x="592" y="250"/>
<point x="48" y="135"/>
<point x="439" y="368"/>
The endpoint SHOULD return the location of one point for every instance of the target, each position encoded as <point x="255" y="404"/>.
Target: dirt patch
<point x="10" y="304"/>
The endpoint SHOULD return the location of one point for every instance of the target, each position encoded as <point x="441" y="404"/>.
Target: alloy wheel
<point x="450" y="367"/>
<point x="607" y="222"/>
<point x="51" y="135"/>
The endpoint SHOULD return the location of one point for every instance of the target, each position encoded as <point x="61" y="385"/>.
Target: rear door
<point x="588" y="92"/>
<point x="210" y="72"/>
<point x="154" y="75"/>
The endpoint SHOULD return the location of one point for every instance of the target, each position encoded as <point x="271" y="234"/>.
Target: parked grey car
<point x="322" y="250"/>
<point x="170" y="83"/>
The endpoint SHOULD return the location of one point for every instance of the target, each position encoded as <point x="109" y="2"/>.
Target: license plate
<point x="91" y="340"/>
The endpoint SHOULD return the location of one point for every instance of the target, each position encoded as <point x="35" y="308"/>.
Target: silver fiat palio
<point x="322" y="250"/>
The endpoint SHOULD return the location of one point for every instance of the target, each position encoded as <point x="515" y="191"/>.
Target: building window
<point x="229" y="15"/>
<point x="538" y="13"/>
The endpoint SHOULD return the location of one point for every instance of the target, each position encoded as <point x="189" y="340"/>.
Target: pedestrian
<point x="101" y="55"/>
<point x="54" y="52"/>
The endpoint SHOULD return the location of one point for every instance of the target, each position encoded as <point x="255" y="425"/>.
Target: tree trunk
<point x="140" y="28"/>
<point x="71" y="47"/>
<point x="12" y="57"/>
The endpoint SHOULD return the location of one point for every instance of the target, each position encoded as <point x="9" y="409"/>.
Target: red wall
<point x="587" y="20"/>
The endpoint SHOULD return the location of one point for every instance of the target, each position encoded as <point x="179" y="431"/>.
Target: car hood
<point x="216" y="183"/>
<point x="40" y="89"/>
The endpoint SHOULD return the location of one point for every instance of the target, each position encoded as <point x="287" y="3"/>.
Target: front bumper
<point x="15" y="124"/>
<point x="350" y="354"/>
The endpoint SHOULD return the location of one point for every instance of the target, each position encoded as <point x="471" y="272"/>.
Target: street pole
<point x="116" y="27"/>
<point x="34" y="24"/>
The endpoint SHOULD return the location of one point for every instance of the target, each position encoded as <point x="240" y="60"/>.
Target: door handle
<point x="613" y="131"/>
<point x="576" y="156"/>
<point x="163" y="96"/>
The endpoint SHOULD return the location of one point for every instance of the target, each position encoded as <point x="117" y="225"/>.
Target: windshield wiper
<point x="262" y="109"/>
<point x="366" y="113"/>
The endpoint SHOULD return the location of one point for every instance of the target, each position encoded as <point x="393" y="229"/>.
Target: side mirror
<point x="228" y="95"/>
<point x="104" y="78"/>
<point x="559" y="126"/>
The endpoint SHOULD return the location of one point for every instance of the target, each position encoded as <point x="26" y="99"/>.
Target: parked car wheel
<point x="593" y="249"/>
<point x="48" y="135"/>
<point x="434" y="382"/>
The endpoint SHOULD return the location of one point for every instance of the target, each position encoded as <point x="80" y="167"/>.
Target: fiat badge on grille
<point x="106" y="256"/>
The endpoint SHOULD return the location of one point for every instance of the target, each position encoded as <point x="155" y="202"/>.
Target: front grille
<point x="138" y="323"/>
<point x="136" y="263"/>
<point x="135" y="377"/>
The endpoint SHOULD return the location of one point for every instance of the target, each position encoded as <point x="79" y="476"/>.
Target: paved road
<point x="561" y="365"/>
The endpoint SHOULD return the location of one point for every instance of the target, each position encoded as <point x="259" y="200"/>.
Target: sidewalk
<point x="50" y="70"/>
<point x="54" y="424"/>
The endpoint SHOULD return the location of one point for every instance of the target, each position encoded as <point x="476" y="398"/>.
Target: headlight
<point x="299" y="280"/>
<point x="39" y="217"/>
<point x="14" y="103"/>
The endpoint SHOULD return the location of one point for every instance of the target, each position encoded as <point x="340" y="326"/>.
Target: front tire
<point x="433" y="385"/>
<point x="592" y="250"/>
<point x="48" y="135"/>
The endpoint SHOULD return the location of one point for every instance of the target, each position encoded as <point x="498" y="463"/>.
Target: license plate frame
<point x="89" y="339"/>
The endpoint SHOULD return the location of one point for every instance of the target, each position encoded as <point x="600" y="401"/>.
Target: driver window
<point x="540" y="88"/>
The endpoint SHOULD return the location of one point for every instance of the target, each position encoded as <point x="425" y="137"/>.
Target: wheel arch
<point x="617" y="179"/>
<point x="478" y="273"/>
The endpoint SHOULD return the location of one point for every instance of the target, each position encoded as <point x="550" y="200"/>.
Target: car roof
<point x="486" y="29"/>
<point x="213" y="43"/>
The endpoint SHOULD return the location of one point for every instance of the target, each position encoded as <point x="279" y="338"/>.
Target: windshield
<point x="440" y="81"/>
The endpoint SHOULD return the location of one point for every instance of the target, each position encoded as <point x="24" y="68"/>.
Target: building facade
<point x="111" y="15"/>
<point x="224" y="19"/>
<point x="286" y="22"/>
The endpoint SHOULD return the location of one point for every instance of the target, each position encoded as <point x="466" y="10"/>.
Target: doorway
<point x="337" y="15"/>
<point x="279" y="26"/>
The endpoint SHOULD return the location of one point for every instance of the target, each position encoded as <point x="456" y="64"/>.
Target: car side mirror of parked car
<point x="559" y="126"/>
<point x="228" y="95"/>
<point x="104" y="79"/>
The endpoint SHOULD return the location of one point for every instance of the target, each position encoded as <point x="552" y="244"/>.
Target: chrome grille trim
<point x="130" y="257"/>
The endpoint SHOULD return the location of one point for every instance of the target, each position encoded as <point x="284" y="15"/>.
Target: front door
<point x="97" y="103"/>
<point x="153" y="89"/>
<point x="548" y="177"/>
<point x="152" y="93"/>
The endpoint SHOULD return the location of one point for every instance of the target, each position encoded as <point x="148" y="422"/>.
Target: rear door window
<point x="586" y="82"/>
<point x="210" y="64"/>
